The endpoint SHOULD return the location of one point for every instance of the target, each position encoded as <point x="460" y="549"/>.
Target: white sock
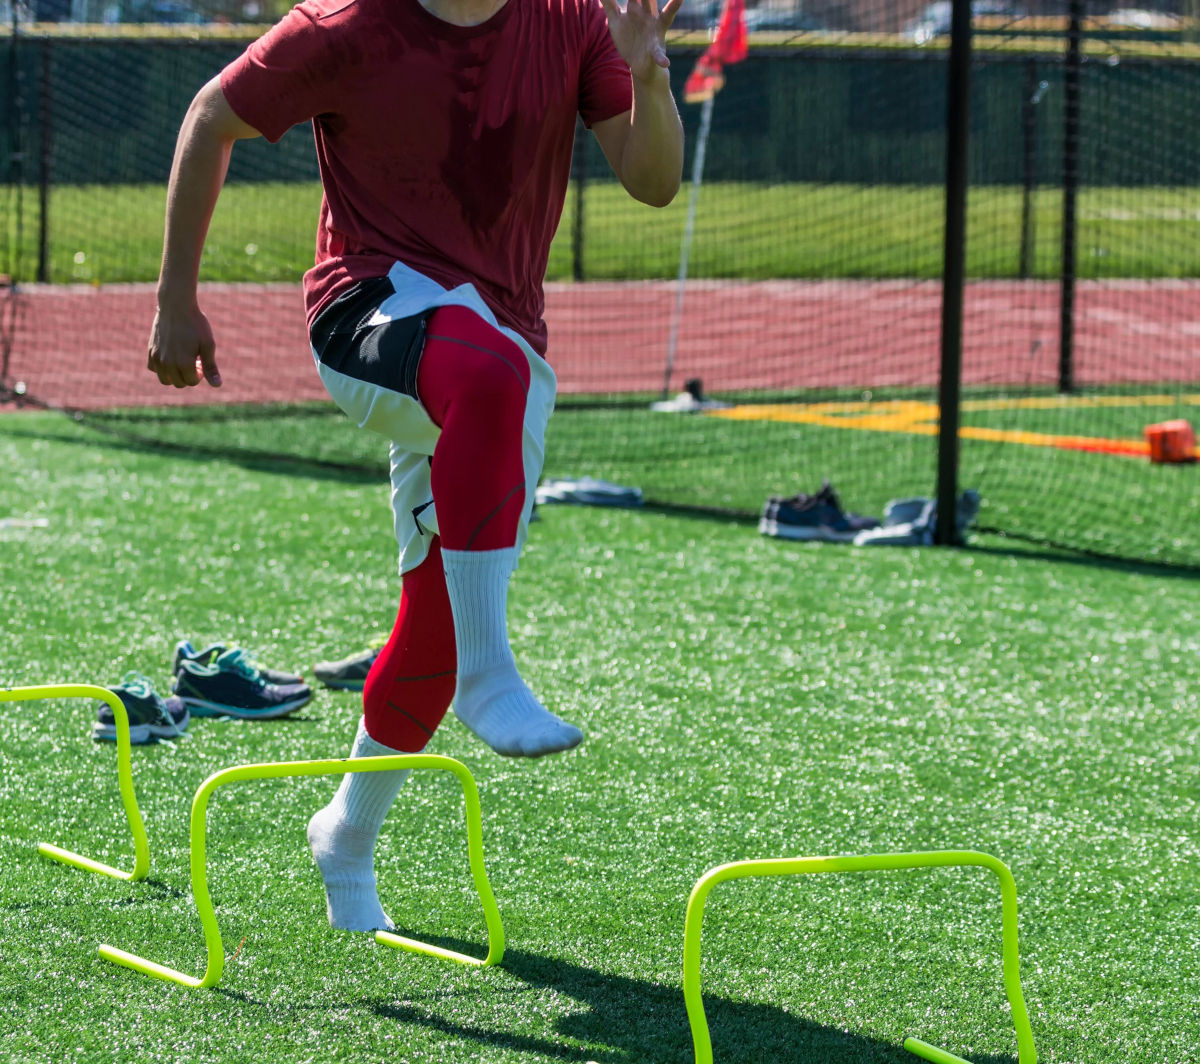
<point x="491" y="698"/>
<point x="342" y="839"/>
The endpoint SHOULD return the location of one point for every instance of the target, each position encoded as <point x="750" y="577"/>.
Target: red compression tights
<point x="411" y="684"/>
<point x="473" y="381"/>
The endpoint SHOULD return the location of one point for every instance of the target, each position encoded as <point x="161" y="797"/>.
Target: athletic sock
<point x="491" y="698"/>
<point x="342" y="839"/>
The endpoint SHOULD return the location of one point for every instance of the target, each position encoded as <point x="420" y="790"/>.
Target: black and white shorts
<point x="367" y="345"/>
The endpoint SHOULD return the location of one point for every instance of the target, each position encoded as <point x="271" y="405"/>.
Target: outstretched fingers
<point x="650" y="8"/>
<point x="638" y="30"/>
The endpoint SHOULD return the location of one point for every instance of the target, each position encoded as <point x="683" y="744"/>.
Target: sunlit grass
<point x="265" y="232"/>
<point x="742" y="697"/>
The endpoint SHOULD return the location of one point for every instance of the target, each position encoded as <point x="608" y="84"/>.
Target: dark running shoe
<point x="348" y="674"/>
<point x="812" y="517"/>
<point x="184" y="651"/>
<point x="232" y="687"/>
<point x="150" y="716"/>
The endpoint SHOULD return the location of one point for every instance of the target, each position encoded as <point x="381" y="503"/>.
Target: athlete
<point x="444" y="132"/>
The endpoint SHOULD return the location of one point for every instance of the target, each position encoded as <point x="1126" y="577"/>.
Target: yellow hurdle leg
<point x="928" y="1052"/>
<point x="141" y="848"/>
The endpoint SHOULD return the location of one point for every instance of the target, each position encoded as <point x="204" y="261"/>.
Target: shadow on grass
<point x="149" y="891"/>
<point x="114" y="432"/>
<point x="1039" y="550"/>
<point x="1030" y="548"/>
<point x="116" y="436"/>
<point x="294" y="717"/>
<point x="626" y="1019"/>
<point x="164" y="890"/>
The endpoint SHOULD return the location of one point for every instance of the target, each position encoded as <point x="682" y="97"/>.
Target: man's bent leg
<point x="411" y="683"/>
<point x="474" y="382"/>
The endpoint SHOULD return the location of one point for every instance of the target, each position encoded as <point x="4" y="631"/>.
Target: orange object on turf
<point x="1171" y="441"/>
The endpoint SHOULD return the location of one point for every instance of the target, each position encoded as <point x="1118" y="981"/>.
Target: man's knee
<point x="478" y="362"/>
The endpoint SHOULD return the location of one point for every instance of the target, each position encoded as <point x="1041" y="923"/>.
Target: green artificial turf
<point x="742" y="698"/>
<point x="103" y="234"/>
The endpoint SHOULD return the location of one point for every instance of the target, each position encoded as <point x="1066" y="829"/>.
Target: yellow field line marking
<point x="1078" y="402"/>
<point x="919" y="418"/>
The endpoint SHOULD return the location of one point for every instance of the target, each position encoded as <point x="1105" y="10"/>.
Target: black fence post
<point x="45" y="124"/>
<point x="14" y="230"/>
<point x="1066" y="312"/>
<point x="958" y="87"/>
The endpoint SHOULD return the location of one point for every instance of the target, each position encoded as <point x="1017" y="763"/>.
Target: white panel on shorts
<point x="413" y="434"/>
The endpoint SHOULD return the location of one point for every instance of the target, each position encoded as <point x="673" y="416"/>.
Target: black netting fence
<point x="796" y="279"/>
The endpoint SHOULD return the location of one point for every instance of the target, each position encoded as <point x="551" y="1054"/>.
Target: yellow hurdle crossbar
<point x="274" y="770"/>
<point x="141" y="848"/>
<point x="868" y="863"/>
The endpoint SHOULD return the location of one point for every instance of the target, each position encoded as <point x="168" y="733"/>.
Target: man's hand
<point x="644" y="145"/>
<point x="181" y="340"/>
<point x="639" y="31"/>
<point x="181" y="349"/>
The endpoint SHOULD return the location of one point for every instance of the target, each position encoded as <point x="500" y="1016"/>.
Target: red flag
<point x="729" y="45"/>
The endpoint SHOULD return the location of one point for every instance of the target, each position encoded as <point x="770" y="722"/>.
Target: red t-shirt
<point x="446" y="147"/>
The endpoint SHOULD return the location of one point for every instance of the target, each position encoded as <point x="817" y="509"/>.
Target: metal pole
<point x="1034" y="88"/>
<point x="579" y="165"/>
<point x="958" y="85"/>
<point x="685" y="252"/>
<point x="1066" y="320"/>
<point x="45" y="118"/>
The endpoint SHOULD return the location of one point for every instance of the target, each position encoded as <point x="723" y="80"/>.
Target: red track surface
<point x="85" y="347"/>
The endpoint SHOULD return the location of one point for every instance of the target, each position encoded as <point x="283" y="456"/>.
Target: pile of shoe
<point x="812" y="517"/>
<point x="691" y="400"/>
<point x="349" y="673"/>
<point x="910" y="522"/>
<point x="218" y="681"/>
<point x="150" y="715"/>
<point x="221" y="681"/>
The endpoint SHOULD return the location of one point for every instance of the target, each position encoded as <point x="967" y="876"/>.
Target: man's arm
<point x="181" y="337"/>
<point x="644" y="146"/>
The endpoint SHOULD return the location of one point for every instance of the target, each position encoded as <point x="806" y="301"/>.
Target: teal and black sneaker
<point x="184" y="651"/>
<point x="232" y="687"/>
<point x="348" y="674"/>
<point x="150" y="715"/>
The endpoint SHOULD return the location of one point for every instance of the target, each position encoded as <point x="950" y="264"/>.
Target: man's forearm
<point x="652" y="162"/>
<point x="197" y="175"/>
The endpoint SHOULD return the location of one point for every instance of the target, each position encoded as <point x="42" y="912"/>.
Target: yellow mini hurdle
<point x="141" y="848"/>
<point x="337" y="766"/>
<point x="694" y="1002"/>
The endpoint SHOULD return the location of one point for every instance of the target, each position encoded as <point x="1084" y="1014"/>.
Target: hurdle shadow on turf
<point x="157" y="887"/>
<point x="644" y="1022"/>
